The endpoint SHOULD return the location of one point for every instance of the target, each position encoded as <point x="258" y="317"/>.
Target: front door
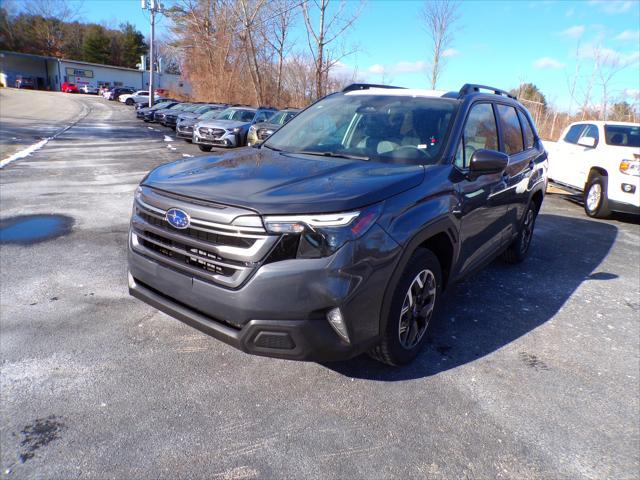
<point x="481" y="205"/>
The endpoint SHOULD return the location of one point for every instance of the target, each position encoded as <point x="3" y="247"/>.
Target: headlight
<point x="323" y="235"/>
<point x="234" y="130"/>
<point x="630" y="167"/>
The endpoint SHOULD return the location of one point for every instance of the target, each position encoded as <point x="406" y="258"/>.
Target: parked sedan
<point x="147" y="113"/>
<point x="159" y="115"/>
<point x="68" y="87"/>
<point x="184" y="127"/>
<point x="89" y="89"/>
<point x="259" y="132"/>
<point x="194" y="111"/>
<point x="230" y="128"/>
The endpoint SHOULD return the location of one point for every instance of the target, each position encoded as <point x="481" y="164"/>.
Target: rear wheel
<point x="205" y="148"/>
<point x="129" y="101"/>
<point x="596" y="204"/>
<point x="519" y="249"/>
<point x="414" y="303"/>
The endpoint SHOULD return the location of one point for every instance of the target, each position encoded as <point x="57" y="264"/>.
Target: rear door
<point x="522" y="155"/>
<point x="481" y="206"/>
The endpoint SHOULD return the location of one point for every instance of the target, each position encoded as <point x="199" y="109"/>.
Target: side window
<point x="511" y="131"/>
<point x="573" y="134"/>
<point x="479" y="132"/>
<point x="591" y="131"/>
<point x="528" y="131"/>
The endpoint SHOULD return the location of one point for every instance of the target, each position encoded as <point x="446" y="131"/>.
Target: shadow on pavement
<point x="504" y="302"/>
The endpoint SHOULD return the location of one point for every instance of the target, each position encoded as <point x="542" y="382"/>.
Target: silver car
<point x="230" y="128"/>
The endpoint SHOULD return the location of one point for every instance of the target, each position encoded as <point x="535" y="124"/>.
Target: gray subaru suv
<point x="339" y="234"/>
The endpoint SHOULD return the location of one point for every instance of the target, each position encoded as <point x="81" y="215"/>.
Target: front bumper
<point x="228" y="139"/>
<point x="188" y="134"/>
<point x="281" y="310"/>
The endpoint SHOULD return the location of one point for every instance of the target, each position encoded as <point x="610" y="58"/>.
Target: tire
<point x="404" y="331"/>
<point x="128" y="101"/>
<point x="596" y="203"/>
<point x="519" y="249"/>
<point x="205" y="148"/>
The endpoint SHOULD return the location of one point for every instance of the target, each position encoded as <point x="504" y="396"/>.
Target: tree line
<point x="50" y="29"/>
<point x="244" y="51"/>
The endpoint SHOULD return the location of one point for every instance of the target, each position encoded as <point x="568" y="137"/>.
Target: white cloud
<point x="410" y="67"/>
<point x="612" y="7"/>
<point x="450" y="52"/>
<point x="632" y="93"/>
<point x="573" y="32"/>
<point x="629" y="35"/>
<point x="608" y="55"/>
<point x="376" y="68"/>
<point x="547" y="63"/>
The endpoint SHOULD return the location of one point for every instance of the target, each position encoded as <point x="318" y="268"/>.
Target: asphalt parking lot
<point x="530" y="371"/>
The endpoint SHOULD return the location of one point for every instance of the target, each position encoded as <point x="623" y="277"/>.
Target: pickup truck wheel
<point x="596" y="204"/>
<point x="205" y="148"/>
<point x="519" y="249"/>
<point x="415" y="299"/>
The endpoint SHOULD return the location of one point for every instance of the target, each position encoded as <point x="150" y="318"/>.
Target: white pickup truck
<point x="602" y="160"/>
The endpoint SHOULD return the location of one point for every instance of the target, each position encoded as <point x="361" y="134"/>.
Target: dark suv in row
<point x="338" y="234"/>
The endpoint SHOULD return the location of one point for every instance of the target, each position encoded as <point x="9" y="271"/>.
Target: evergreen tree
<point x="133" y="45"/>
<point x="97" y="45"/>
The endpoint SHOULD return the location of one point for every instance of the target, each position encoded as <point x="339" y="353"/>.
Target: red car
<point x="68" y="87"/>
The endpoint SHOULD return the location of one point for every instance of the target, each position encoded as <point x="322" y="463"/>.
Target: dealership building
<point x="48" y="73"/>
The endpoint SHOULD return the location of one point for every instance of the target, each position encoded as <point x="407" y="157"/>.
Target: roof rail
<point x="469" y="88"/>
<point x="365" y="86"/>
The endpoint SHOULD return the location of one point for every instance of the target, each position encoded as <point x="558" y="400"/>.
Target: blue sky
<point x="499" y="43"/>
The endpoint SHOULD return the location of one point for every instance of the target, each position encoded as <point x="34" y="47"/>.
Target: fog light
<point x="337" y="322"/>
<point x="628" y="188"/>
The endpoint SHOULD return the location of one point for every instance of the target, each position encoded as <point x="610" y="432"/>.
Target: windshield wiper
<point x="331" y="154"/>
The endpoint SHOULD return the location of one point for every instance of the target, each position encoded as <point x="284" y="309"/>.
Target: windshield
<point x="237" y="114"/>
<point x="210" y="114"/>
<point x="383" y="128"/>
<point x="622" y="135"/>
<point x="203" y="109"/>
<point x="191" y="107"/>
<point x="159" y="106"/>
<point x="179" y="106"/>
<point x="280" y="118"/>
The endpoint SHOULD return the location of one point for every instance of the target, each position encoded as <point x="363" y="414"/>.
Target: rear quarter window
<point x="511" y="131"/>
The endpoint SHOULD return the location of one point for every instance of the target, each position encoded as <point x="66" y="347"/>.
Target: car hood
<point x="278" y="183"/>
<point x="272" y="126"/>
<point x="187" y="122"/>
<point x="188" y="115"/>
<point x="213" y="123"/>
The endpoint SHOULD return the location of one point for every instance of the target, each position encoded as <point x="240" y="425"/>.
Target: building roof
<point x="31" y="55"/>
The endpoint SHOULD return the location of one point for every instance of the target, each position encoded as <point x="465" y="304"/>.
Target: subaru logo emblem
<point x="177" y="218"/>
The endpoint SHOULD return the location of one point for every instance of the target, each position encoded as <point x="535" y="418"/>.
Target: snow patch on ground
<point x="167" y="138"/>
<point x="186" y="155"/>
<point x="24" y="153"/>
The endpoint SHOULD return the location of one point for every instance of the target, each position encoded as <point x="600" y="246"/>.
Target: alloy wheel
<point x="417" y="309"/>
<point x="594" y="196"/>
<point x="527" y="230"/>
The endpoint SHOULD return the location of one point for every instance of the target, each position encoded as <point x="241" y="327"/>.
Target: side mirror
<point x="488" y="161"/>
<point x="588" y="142"/>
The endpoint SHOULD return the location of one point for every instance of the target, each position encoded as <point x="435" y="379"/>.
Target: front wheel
<point x="414" y="302"/>
<point x="519" y="249"/>
<point x="205" y="148"/>
<point x="596" y="204"/>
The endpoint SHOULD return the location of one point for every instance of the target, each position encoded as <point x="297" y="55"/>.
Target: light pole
<point x="154" y="6"/>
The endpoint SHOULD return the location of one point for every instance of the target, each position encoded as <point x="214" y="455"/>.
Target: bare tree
<point x="330" y="28"/>
<point x="281" y="15"/>
<point x="440" y="18"/>
<point x="607" y="66"/>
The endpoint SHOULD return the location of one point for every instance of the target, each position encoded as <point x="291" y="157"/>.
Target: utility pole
<point x="154" y="6"/>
